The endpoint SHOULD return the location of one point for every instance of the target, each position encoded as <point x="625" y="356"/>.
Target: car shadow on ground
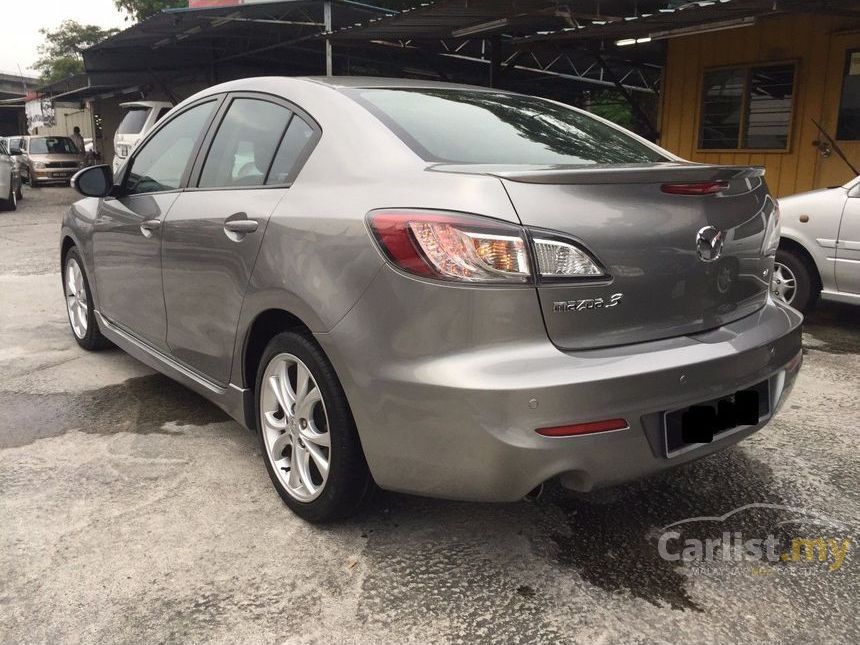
<point x="609" y="537"/>
<point x="835" y="326"/>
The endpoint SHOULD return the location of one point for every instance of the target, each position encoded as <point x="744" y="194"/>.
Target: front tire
<point x="793" y="282"/>
<point x="79" y="304"/>
<point x="307" y="432"/>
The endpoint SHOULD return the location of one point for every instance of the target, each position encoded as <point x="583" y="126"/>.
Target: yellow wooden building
<point x="752" y="94"/>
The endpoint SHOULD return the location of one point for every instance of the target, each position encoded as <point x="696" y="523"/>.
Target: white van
<point x="140" y="116"/>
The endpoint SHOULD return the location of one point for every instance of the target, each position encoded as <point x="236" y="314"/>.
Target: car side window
<point x="161" y="162"/>
<point x="243" y="148"/>
<point x="296" y="140"/>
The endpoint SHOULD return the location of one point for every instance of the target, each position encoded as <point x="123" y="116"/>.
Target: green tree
<point x="140" y="9"/>
<point x="60" y="54"/>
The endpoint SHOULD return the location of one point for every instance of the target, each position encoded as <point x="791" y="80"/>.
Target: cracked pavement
<point x="131" y="509"/>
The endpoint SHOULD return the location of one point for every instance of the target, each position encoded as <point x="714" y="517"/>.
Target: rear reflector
<point x="702" y="188"/>
<point x="583" y="428"/>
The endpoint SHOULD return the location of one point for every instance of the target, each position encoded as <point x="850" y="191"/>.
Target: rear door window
<point x="293" y="149"/>
<point x="245" y="144"/>
<point x="489" y="127"/>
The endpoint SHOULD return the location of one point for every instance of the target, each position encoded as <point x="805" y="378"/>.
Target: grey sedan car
<point x="437" y="289"/>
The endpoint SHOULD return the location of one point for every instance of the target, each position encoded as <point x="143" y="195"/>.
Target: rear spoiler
<point x="655" y="173"/>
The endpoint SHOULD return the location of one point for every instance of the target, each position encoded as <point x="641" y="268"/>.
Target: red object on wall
<point x="196" y="4"/>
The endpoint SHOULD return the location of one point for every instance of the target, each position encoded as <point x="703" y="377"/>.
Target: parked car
<point x="139" y="118"/>
<point x="446" y="290"/>
<point x="13" y="145"/>
<point x="819" y="253"/>
<point x="10" y="180"/>
<point x="50" y="160"/>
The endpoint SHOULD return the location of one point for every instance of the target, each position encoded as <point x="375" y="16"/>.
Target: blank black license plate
<point x="703" y="422"/>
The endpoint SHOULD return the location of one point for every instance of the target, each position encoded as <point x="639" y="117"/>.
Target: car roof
<point x="382" y="82"/>
<point x="145" y="104"/>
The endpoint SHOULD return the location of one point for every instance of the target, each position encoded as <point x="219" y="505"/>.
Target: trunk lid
<point x="647" y="241"/>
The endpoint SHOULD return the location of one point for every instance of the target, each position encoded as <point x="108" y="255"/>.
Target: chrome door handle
<point x="237" y="226"/>
<point x="241" y="226"/>
<point x="149" y="226"/>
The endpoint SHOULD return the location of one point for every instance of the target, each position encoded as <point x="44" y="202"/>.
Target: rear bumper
<point x="462" y="425"/>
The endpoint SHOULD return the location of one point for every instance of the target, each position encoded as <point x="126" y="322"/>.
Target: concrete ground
<point x="133" y="510"/>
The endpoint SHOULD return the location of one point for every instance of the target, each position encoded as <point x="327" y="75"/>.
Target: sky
<point x="23" y="19"/>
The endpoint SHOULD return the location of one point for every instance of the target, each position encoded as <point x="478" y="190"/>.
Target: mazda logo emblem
<point x="709" y="244"/>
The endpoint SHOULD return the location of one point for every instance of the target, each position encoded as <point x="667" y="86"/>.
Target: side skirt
<point x="236" y="401"/>
<point x="841" y="296"/>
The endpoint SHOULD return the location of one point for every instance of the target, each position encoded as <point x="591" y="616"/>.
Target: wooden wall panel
<point x="803" y="38"/>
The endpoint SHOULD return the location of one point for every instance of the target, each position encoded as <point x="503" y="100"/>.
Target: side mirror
<point x="95" y="181"/>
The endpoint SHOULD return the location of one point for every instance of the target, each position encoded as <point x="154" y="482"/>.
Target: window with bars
<point x="747" y="108"/>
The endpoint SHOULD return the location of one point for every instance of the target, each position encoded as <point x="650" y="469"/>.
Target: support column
<point x="327" y="21"/>
<point x="495" y="60"/>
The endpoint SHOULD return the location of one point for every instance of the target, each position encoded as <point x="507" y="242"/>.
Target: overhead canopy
<point x="555" y="48"/>
<point x="181" y="39"/>
<point x="462" y="18"/>
<point x="682" y="18"/>
<point x="527" y="22"/>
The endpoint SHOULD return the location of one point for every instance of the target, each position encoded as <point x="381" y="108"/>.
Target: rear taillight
<point x="560" y="260"/>
<point x="452" y="246"/>
<point x="469" y="248"/>
<point x="698" y="188"/>
<point x="774" y="230"/>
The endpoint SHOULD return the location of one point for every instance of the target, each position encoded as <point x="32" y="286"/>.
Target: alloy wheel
<point x="783" y="283"/>
<point x="295" y="427"/>
<point x="76" y="298"/>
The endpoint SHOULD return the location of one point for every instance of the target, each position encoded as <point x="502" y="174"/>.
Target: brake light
<point x="700" y="188"/>
<point x="773" y="230"/>
<point x="469" y="248"/>
<point x="591" y="427"/>
<point x="453" y="246"/>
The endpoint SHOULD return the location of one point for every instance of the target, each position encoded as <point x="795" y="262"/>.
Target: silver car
<point x="819" y="253"/>
<point x="443" y="290"/>
<point x="10" y="179"/>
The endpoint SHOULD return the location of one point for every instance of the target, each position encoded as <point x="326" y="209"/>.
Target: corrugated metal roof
<point x="534" y="21"/>
<point x="681" y="18"/>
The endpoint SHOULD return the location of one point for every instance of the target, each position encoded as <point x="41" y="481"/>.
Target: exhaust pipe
<point x="534" y="494"/>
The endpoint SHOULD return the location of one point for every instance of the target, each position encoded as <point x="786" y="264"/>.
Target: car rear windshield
<point x="487" y="127"/>
<point x="132" y="122"/>
<point x="52" y="146"/>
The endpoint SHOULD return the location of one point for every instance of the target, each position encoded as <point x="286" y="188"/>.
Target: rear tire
<point x="315" y="435"/>
<point x="792" y="270"/>
<point x="79" y="304"/>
